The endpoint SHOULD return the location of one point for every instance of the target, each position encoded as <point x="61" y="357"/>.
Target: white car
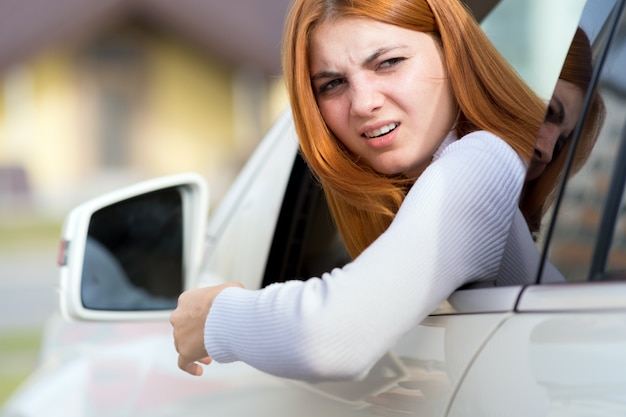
<point x="520" y="350"/>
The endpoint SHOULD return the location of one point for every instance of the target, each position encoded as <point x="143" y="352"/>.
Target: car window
<point x="587" y="237"/>
<point x="306" y="242"/>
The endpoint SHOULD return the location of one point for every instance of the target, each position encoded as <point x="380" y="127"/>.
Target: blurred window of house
<point x="115" y="65"/>
<point x="14" y="186"/>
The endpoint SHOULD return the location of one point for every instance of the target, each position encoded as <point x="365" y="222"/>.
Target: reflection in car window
<point x="577" y="229"/>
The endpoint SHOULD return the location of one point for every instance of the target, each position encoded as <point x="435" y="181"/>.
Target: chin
<point x="390" y="171"/>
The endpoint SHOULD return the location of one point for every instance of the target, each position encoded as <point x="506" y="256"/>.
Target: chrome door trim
<point x="584" y="296"/>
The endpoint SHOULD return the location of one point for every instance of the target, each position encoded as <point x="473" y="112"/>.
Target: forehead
<point x="337" y="24"/>
<point x="355" y="38"/>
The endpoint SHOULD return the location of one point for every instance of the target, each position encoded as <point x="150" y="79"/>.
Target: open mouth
<point x="382" y="131"/>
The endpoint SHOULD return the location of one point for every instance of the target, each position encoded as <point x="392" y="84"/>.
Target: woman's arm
<point x="451" y="229"/>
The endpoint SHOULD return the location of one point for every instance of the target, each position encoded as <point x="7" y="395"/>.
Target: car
<point x="535" y="348"/>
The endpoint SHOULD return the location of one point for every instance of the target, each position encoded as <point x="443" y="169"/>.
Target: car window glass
<point x="528" y="36"/>
<point x="578" y="224"/>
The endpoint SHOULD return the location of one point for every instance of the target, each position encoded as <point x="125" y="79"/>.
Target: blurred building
<point x="94" y="96"/>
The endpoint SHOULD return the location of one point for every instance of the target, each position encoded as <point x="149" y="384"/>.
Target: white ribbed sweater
<point x="452" y="228"/>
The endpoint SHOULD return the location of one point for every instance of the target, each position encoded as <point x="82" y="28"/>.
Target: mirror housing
<point x="128" y="254"/>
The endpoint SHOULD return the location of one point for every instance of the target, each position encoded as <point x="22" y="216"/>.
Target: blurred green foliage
<point x="19" y="348"/>
<point x="19" y="351"/>
<point x="26" y="233"/>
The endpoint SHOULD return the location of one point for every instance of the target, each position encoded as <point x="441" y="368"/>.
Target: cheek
<point x="333" y="114"/>
<point x="449" y="103"/>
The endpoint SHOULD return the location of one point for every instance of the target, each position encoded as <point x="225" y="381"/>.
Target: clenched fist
<point x="188" y="322"/>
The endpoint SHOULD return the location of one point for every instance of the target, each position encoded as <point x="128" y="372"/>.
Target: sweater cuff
<point x="219" y="333"/>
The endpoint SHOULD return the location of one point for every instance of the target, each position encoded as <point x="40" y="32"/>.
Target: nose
<point x="546" y="140"/>
<point x="366" y="98"/>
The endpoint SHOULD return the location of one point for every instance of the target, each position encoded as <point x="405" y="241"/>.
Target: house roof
<point x="243" y="32"/>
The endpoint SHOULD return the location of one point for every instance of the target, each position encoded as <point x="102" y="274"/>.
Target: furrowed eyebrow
<point x="367" y="61"/>
<point x="324" y="74"/>
<point x="380" y="52"/>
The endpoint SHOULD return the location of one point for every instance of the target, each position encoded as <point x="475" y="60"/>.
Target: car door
<point x="561" y="350"/>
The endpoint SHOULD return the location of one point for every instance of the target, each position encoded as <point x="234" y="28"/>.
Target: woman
<point x="420" y="134"/>
<point x="546" y="168"/>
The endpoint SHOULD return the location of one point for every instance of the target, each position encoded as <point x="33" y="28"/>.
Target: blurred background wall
<point x="95" y="96"/>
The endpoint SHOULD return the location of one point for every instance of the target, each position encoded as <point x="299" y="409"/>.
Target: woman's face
<point x="383" y="91"/>
<point x="563" y="113"/>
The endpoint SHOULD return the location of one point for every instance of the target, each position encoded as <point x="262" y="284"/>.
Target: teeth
<point x="382" y="131"/>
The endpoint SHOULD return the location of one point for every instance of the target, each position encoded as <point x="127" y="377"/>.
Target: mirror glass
<point x="134" y="254"/>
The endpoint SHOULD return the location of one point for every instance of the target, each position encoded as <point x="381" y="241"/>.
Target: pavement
<point x="28" y="282"/>
<point x="28" y="297"/>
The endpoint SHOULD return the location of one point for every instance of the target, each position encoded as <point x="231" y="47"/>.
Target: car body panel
<point x="129" y="369"/>
<point x="565" y="364"/>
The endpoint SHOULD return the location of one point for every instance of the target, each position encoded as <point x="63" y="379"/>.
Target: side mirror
<point x="128" y="254"/>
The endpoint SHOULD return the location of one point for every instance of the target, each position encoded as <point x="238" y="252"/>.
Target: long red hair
<point x="490" y="94"/>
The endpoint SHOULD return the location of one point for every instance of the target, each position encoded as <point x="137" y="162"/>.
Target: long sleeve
<point x="520" y="262"/>
<point x="451" y="229"/>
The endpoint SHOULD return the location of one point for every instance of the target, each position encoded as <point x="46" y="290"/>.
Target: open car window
<point x="306" y="241"/>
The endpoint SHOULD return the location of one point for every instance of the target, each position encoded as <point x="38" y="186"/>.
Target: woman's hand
<point x="188" y="322"/>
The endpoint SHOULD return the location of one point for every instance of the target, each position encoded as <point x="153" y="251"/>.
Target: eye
<point x="388" y="63"/>
<point x="551" y="115"/>
<point x="330" y="85"/>
<point x="560" y="144"/>
<point x="555" y="114"/>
